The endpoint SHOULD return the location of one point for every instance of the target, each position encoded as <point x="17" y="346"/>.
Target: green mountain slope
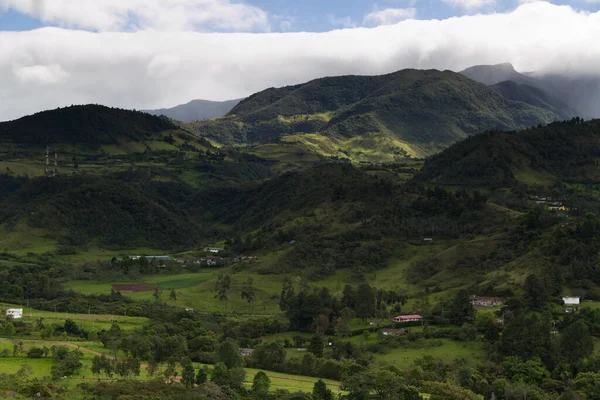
<point x="413" y="112"/>
<point x="561" y="151"/>
<point x="97" y="140"/>
<point x="115" y="211"/>
<point x="535" y="97"/>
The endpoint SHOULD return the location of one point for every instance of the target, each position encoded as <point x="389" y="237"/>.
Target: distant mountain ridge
<point x="566" y="97"/>
<point x="536" y="97"/>
<point x="197" y="110"/>
<point x="418" y="111"/>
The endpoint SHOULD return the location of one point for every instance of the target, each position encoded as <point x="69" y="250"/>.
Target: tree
<point x="530" y="372"/>
<point x="170" y="372"/>
<point x="365" y="301"/>
<point x="229" y="354"/>
<point x="35" y="352"/>
<point x="248" y="293"/>
<point x="220" y="374"/>
<point x="287" y="293"/>
<point x="349" y="297"/>
<point x="380" y="384"/>
<point x="268" y="355"/>
<point x="9" y="330"/>
<point x="316" y="346"/>
<point x="321" y="324"/>
<point x="173" y="295"/>
<point x="222" y="287"/>
<point x="201" y="376"/>
<point x="261" y="385"/>
<point x="576" y="341"/>
<point x="321" y="391"/>
<point x="96" y="365"/>
<point x="187" y="375"/>
<point x="157" y="293"/>
<point x="46" y="333"/>
<point x="461" y="309"/>
<point x="536" y="294"/>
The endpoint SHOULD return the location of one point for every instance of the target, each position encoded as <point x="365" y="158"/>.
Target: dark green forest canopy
<point x="87" y="124"/>
<point x="564" y="151"/>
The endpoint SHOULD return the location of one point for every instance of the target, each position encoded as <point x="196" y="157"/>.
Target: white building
<point x="213" y="249"/>
<point x="571" y="301"/>
<point x="15" y="313"/>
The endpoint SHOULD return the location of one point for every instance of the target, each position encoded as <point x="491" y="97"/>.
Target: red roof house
<point x="408" y="318"/>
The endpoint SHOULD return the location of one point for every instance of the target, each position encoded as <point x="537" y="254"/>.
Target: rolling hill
<point x="196" y="110"/>
<point x="559" y="152"/>
<point x="92" y="125"/>
<point x="407" y="113"/>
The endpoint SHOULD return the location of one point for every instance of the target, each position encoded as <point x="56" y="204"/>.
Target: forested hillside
<point x="420" y="112"/>
<point x="91" y="125"/>
<point x="560" y="152"/>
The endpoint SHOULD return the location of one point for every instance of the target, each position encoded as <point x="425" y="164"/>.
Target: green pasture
<point x="447" y="351"/>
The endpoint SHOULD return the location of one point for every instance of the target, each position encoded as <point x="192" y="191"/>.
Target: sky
<point x="160" y="53"/>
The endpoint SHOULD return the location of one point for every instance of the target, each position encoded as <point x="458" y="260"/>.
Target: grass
<point x="196" y="290"/>
<point x="447" y="351"/>
<point x="40" y="366"/>
<point x="86" y="321"/>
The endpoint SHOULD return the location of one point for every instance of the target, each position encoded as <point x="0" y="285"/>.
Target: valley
<point x="327" y="239"/>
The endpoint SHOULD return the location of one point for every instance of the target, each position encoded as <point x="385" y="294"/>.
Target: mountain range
<point x="196" y="110"/>
<point x="407" y="113"/>
<point x="565" y="94"/>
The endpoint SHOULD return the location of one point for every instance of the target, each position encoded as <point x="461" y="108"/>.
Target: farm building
<point x="15" y="313"/>
<point x="213" y="249"/>
<point x="408" y="318"/>
<point x="571" y="301"/>
<point x="394" y="332"/>
<point x="484" y="301"/>
<point x="245" y="352"/>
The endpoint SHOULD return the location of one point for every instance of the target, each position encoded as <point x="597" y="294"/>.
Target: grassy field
<point x="447" y="351"/>
<point x="196" y="290"/>
<point x="87" y="321"/>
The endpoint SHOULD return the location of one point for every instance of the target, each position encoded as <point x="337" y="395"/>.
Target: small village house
<point x="246" y="352"/>
<point x="484" y="301"/>
<point x="14" y="313"/>
<point x="408" y="318"/>
<point x="213" y="249"/>
<point x="571" y="301"/>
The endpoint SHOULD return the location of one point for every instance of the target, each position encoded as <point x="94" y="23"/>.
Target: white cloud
<point x="389" y="16"/>
<point x="151" y="69"/>
<point x="472" y="4"/>
<point x="40" y="74"/>
<point x="128" y="15"/>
